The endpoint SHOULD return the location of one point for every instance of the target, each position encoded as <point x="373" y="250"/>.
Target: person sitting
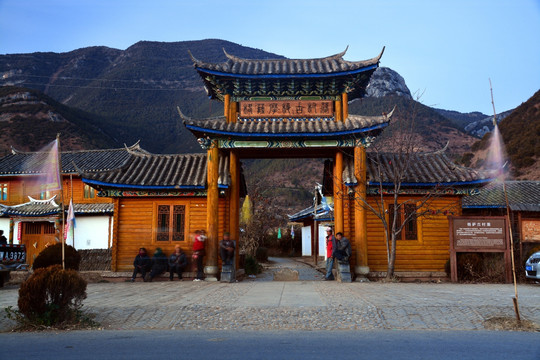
<point x="344" y="251"/>
<point x="177" y="262"/>
<point x="226" y="249"/>
<point x="159" y="264"/>
<point x="142" y="264"/>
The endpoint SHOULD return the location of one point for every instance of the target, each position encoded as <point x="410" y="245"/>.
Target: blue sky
<point x="445" y="50"/>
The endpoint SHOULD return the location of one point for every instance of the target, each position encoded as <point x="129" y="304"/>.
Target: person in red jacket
<point x="330" y="248"/>
<point x="198" y="253"/>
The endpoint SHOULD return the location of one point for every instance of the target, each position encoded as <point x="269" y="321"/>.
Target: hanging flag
<point x="70" y="222"/>
<point x="50" y="169"/>
<point x="292" y="231"/>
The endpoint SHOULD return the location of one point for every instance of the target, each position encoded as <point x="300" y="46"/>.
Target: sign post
<point x="479" y="234"/>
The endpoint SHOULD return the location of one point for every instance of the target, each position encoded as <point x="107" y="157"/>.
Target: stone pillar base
<point x="361" y="273"/>
<point x="344" y="272"/>
<point x="228" y="273"/>
<point x="210" y="273"/>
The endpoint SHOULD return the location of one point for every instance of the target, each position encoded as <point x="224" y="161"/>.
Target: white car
<point x="532" y="266"/>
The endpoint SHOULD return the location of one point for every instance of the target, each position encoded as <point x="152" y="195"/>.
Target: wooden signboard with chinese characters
<point x="286" y="108"/>
<point x="479" y="234"/>
<point x="530" y="230"/>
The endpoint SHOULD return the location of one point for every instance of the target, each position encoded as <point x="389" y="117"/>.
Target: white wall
<point x="306" y="240"/>
<point x="91" y="232"/>
<point x="322" y="240"/>
<point x="4" y="225"/>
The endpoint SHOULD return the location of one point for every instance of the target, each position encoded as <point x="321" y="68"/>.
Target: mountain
<point x="134" y="92"/>
<point x="520" y="133"/>
<point x="387" y="82"/>
<point x="122" y="96"/>
<point x="461" y="120"/>
<point x="23" y="109"/>
<point x="474" y="123"/>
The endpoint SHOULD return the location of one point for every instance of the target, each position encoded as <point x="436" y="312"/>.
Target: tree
<point x="390" y="161"/>
<point x="265" y="217"/>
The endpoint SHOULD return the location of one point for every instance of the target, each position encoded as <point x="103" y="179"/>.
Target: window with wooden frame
<point x="3" y="191"/>
<point x="89" y="192"/>
<point x="171" y="220"/>
<point x="407" y="214"/>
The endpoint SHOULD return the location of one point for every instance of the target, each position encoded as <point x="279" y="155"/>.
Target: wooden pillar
<point x="11" y="230"/>
<point x="338" y="192"/>
<point x="226" y="107"/>
<point x="212" y="213"/>
<point x="116" y="225"/>
<point x="345" y="105"/>
<point x="360" y="214"/>
<point x="338" y="110"/>
<point x="233" y="109"/>
<point x="234" y="200"/>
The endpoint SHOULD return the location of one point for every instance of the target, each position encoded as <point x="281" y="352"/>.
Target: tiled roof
<point x="424" y="169"/>
<point x="50" y="207"/>
<point x="327" y="65"/>
<point x="152" y="171"/>
<point x="288" y="127"/>
<point x="32" y="208"/>
<point x="522" y="196"/>
<point x="23" y="163"/>
<point x="102" y="208"/>
<point x="307" y="213"/>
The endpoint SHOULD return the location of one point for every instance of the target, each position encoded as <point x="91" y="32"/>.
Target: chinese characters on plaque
<point x="479" y="233"/>
<point x="287" y="108"/>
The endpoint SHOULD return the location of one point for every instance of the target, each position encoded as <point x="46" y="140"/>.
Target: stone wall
<point x="95" y="260"/>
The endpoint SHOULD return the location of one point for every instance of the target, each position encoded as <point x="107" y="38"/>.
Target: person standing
<point x="330" y="248"/>
<point x="141" y="264"/>
<point x="198" y="253"/>
<point x="226" y="249"/>
<point x="177" y="262"/>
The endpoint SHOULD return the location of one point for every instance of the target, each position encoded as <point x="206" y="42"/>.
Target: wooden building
<point x="423" y="245"/>
<point x="32" y="216"/>
<point x="285" y="108"/>
<point x="160" y="200"/>
<point x="524" y="203"/>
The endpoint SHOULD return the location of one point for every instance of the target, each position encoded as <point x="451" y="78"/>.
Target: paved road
<point x="166" y="344"/>
<point x="301" y="305"/>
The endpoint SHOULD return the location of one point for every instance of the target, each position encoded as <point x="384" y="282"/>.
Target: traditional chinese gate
<point x="287" y="108"/>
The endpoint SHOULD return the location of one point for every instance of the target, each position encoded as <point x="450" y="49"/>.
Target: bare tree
<point x="389" y="161"/>
<point x="265" y="218"/>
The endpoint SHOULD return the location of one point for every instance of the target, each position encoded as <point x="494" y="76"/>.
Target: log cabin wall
<point x="429" y="253"/>
<point x="137" y="224"/>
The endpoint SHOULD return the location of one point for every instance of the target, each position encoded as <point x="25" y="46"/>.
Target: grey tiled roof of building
<point x="24" y="163"/>
<point x="88" y="209"/>
<point x="300" y="127"/>
<point x="32" y="208"/>
<point x="424" y="169"/>
<point x="327" y="65"/>
<point x="322" y="213"/>
<point x="49" y="207"/>
<point x="160" y="171"/>
<point x="522" y="196"/>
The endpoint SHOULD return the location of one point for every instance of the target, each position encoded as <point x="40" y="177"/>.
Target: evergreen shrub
<point x="52" y="255"/>
<point x="261" y="254"/>
<point x="252" y="266"/>
<point x="52" y="296"/>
